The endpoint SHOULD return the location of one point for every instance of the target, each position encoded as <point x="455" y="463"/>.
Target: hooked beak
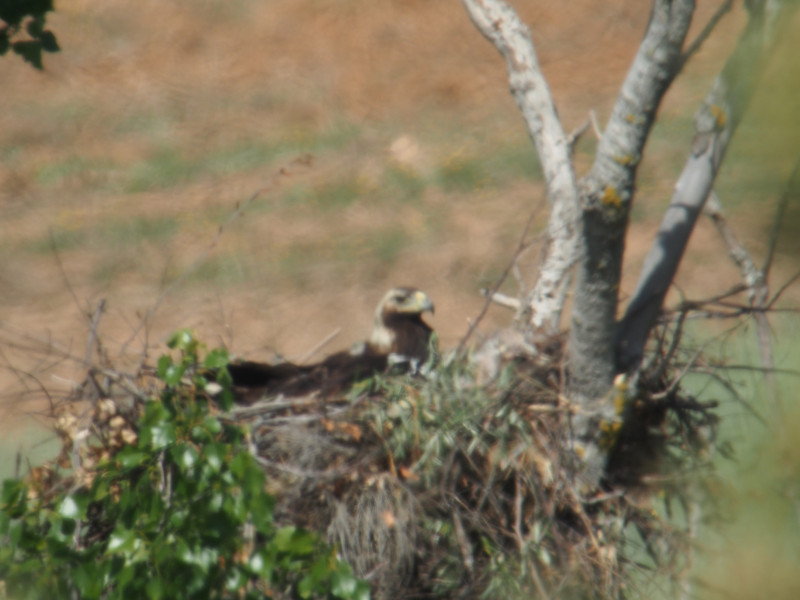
<point x="421" y="303"/>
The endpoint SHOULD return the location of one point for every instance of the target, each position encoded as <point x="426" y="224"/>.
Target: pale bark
<point x="588" y="221"/>
<point x="501" y="25"/>
<point x="715" y="122"/>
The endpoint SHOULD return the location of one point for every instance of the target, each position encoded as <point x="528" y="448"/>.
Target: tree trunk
<point x="606" y="197"/>
<point x="589" y="220"/>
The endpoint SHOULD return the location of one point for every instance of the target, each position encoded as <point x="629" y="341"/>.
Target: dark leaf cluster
<point x="23" y="30"/>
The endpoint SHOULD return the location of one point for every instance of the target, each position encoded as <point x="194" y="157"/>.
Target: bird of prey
<point x="400" y="338"/>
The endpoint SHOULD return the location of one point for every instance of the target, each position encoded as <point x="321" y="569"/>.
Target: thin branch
<point x="490" y="294"/>
<point x="320" y="345"/>
<point x="63" y="272"/>
<point x="751" y="368"/>
<point x="463" y="543"/>
<point x="576" y="135"/>
<point x="731" y="389"/>
<point x="93" y="338"/>
<point x="676" y="339"/>
<point x="751" y="275"/>
<point x="782" y="289"/>
<point x="707" y="30"/>
<point x="283" y="172"/>
<point x="778" y="220"/>
<point x="757" y="290"/>
<point x="502" y="299"/>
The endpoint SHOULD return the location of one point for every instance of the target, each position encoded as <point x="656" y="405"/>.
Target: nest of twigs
<point x="460" y="484"/>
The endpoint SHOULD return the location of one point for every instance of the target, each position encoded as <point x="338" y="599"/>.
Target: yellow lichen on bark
<point x="611" y="197"/>
<point x="720" y="118"/>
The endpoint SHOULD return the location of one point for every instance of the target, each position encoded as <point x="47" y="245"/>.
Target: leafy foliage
<point x="28" y="16"/>
<point x="179" y="513"/>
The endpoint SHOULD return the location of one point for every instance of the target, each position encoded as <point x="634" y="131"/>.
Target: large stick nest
<point x="460" y="484"/>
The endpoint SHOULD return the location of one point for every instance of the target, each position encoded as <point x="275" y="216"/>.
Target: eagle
<point x="400" y="340"/>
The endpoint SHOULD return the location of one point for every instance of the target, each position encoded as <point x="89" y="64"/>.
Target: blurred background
<point x="120" y="162"/>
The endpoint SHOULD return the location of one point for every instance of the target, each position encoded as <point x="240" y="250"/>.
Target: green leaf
<point x="155" y="588"/>
<point x="362" y="591"/>
<point x="215" y="456"/>
<point x="13" y="497"/>
<point x="292" y="540"/>
<point x="164" y="363"/>
<point x="35" y="27"/>
<point x="15" y="531"/>
<point x="262" y="563"/>
<point x="236" y="579"/>
<point x="212" y="424"/>
<point x="178" y="518"/>
<point x="173" y="374"/>
<point x="88" y="578"/>
<point x="158" y="436"/>
<point x="343" y="584"/>
<point x="216" y="358"/>
<point x="126" y="574"/>
<point x="226" y="399"/>
<point x="69" y="508"/>
<point x="122" y="541"/>
<point x="130" y="457"/>
<point x="181" y="339"/>
<point x="305" y="587"/>
<point x="185" y="456"/>
<point x="283" y="538"/>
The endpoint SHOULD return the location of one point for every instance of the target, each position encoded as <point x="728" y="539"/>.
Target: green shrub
<point x="179" y="513"/>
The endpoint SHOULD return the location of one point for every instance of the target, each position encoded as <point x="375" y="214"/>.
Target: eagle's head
<point x="398" y="316"/>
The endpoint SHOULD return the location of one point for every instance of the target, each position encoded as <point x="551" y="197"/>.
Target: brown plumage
<point x="399" y="338"/>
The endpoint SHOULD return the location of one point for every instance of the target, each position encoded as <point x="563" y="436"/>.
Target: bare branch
<point x="778" y="220"/>
<point x="724" y="9"/>
<point x="757" y="290"/>
<point x="93" y="338"/>
<point x="576" y="135"/>
<point x="782" y="289"/>
<point x="502" y="299"/>
<point x="715" y="123"/>
<point x="501" y="25"/>
<point x="320" y="345"/>
<point x="490" y="293"/>
<point x="282" y="173"/>
<point x="753" y="278"/>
